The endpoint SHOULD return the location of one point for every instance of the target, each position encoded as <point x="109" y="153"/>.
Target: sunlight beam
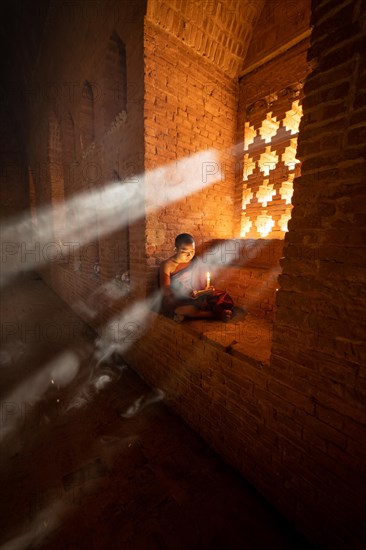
<point x="116" y="204"/>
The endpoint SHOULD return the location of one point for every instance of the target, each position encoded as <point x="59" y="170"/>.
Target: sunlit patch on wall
<point x="269" y="128"/>
<point x="267" y="161"/>
<point x="250" y="133"/>
<point x="246" y="225"/>
<point x="284" y="219"/>
<point x="287" y="189"/>
<point x="265" y="193"/>
<point x="264" y="225"/>
<point x="249" y="167"/>
<point x="247" y="196"/>
<point x="293" y="116"/>
<point x="289" y="156"/>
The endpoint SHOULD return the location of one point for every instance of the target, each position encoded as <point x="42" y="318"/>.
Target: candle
<point x="208" y="276"/>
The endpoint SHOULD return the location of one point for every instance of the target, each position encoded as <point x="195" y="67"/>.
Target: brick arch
<point x="115" y="248"/>
<point x="32" y="199"/>
<point x="68" y="138"/>
<point x="115" y="79"/>
<point x="69" y="164"/>
<point x="87" y="125"/>
<point x="55" y="174"/>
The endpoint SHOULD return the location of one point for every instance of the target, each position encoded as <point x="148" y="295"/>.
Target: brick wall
<point x="269" y="89"/>
<point x="87" y="134"/>
<point x="295" y="424"/>
<point x="221" y="394"/>
<point x="318" y="355"/>
<point x="280" y="22"/>
<point x="292" y="423"/>
<point x="190" y="107"/>
<point x="247" y="269"/>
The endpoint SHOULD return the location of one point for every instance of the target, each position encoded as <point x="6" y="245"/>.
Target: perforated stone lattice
<point x="270" y="166"/>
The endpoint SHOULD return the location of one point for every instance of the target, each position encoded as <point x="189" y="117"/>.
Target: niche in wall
<point x="32" y="202"/>
<point x="56" y="176"/>
<point x="69" y="164"/>
<point x="115" y="82"/>
<point x="115" y="249"/>
<point x="87" y="128"/>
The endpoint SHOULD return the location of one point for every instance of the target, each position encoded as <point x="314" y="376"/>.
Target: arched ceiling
<point x="220" y="30"/>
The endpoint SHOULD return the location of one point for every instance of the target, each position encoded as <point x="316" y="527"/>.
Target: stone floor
<point x="92" y="458"/>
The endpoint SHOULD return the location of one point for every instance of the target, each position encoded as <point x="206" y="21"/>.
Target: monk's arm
<point x="164" y="279"/>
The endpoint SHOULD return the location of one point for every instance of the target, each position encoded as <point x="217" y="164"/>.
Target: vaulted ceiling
<point x="220" y="30"/>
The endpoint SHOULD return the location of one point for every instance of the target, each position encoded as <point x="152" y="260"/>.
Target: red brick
<point x="295" y="423"/>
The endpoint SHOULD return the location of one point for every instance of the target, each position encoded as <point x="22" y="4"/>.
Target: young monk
<point x="180" y="278"/>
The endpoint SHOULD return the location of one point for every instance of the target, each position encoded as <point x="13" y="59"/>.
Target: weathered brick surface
<point x="190" y="107"/>
<point x="292" y="420"/>
<point x="248" y="269"/>
<point x="264" y="424"/>
<point x="218" y="31"/>
<point x="322" y="287"/>
<point x="279" y="23"/>
<point x="91" y="136"/>
<point x="307" y="404"/>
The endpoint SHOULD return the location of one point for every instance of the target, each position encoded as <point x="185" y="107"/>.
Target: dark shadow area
<point x="101" y="461"/>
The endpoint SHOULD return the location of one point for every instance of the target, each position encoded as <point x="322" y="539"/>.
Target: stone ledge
<point x="247" y="339"/>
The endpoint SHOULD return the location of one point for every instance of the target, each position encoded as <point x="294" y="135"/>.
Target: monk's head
<point x="184" y="248"/>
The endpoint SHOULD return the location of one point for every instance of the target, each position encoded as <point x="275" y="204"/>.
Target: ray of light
<point x="116" y="204"/>
<point x="58" y="372"/>
<point x="44" y="523"/>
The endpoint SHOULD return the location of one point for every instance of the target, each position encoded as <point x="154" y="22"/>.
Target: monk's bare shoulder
<point x="168" y="266"/>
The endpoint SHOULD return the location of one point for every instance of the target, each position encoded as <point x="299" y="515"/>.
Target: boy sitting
<point x="180" y="278"/>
